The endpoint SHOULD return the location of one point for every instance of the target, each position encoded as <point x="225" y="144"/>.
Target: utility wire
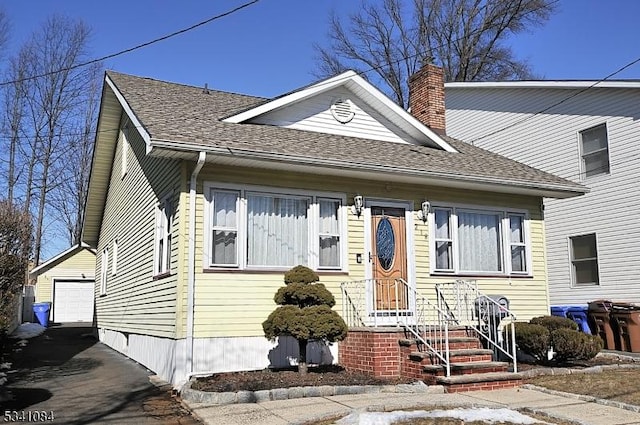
<point x="560" y="102"/>
<point x="366" y="71"/>
<point x="131" y="49"/>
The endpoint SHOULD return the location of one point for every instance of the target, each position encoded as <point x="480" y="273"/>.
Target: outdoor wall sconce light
<point x="425" y="208"/>
<point x="356" y="208"/>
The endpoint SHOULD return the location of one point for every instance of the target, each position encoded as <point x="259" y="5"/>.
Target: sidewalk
<point x="303" y="410"/>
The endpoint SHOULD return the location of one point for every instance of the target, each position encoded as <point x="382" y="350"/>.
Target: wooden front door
<point x="389" y="258"/>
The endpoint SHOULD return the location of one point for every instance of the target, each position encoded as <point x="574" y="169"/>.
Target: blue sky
<point x="266" y="49"/>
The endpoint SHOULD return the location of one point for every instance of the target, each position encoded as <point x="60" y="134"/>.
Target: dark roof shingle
<point x="189" y="115"/>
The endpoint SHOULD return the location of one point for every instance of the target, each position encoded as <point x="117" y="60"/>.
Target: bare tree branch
<point x="468" y="38"/>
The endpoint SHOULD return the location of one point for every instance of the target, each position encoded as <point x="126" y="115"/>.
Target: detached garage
<point x="67" y="281"/>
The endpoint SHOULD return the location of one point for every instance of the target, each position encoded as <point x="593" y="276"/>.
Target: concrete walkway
<point x="304" y="410"/>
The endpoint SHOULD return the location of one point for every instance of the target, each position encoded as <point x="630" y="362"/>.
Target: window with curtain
<point x="443" y="240"/>
<point x="277" y="230"/>
<point x="329" y="233"/>
<point x="164" y="217"/>
<point x="594" y="149"/>
<point x="103" y="271"/>
<point x="264" y="229"/>
<point x="224" y="236"/>
<point x="479" y="242"/>
<point x="469" y="241"/>
<point x="584" y="260"/>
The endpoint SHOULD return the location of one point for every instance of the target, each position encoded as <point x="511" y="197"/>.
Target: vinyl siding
<point x="235" y="303"/>
<point x="80" y="265"/>
<point x="135" y="301"/>
<point x="550" y="141"/>
<point x="315" y="115"/>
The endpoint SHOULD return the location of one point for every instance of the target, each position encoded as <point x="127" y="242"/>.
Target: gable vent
<point x="342" y="110"/>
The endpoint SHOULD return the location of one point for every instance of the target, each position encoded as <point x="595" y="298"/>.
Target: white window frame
<point x="163" y="229"/>
<point x="124" y="154"/>
<point x="104" y="266"/>
<point x="313" y="214"/>
<point x="583" y="169"/>
<point x="114" y="258"/>
<point x="504" y="239"/>
<point x="572" y="271"/>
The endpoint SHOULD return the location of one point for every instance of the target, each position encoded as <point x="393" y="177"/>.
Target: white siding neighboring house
<point x="585" y="132"/>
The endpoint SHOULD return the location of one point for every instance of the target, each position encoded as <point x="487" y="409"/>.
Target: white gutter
<point x="545" y="84"/>
<point x="191" y="260"/>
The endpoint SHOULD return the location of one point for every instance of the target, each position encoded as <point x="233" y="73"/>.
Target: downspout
<point x="191" y="261"/>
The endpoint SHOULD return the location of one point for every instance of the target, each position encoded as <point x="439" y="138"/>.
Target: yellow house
<point x="67" y="281"/>
<point x="199" y="201"/>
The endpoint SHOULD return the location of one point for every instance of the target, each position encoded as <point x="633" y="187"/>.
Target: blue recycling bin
<point x="41" y="311"/>
<point x="559" y="310"/>
<point x="575" y="312"/>
<point x="578" y="313"/>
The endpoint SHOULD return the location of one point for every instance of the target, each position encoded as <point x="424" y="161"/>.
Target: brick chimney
<point x="426" y="97"/>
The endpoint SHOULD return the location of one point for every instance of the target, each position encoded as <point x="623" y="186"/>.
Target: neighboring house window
<point x="125" y="151"/>
<point x="259" y="228"/>
<point x="594" y="150"/>
<point x="164" y="220"/>
<point x="584" y="260"/>
<point x="114" y="258"/>
<point x="103" y="271"/>
<point x="474" y="241"/>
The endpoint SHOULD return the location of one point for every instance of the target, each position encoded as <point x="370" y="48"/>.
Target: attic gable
<point x="345" y="105"/>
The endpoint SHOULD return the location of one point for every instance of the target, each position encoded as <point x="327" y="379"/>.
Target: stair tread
<point x="457" y="352"/>
<point x="478" y="377"/>
<point x="467" y="365"/>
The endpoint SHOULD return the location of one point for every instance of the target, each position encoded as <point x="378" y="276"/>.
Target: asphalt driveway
<point x="67" y="372"/>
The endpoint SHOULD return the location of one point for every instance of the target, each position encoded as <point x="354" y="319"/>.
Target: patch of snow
<point x="476" y="414"/>
<point x="27" y="330"/>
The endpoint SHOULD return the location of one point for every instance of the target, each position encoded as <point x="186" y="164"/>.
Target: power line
<point x="131" y="49"/>
<point x="560" y="102"/>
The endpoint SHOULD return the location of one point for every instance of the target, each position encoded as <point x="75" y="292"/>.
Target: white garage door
<point x="73" y="301"/>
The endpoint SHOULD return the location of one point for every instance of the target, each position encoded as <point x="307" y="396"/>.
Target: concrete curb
<point x="587" y="398"/>
<point x="214" y="398"/>
<point x="569" y="371"/>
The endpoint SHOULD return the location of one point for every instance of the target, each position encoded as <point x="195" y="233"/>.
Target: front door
<point x="389" y="259"/>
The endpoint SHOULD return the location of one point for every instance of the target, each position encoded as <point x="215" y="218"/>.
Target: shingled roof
<point x="190" y="118"/>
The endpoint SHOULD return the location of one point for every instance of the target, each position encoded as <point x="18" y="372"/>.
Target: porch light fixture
<point x="425" y="208"/>
<point x="356" y="209"/>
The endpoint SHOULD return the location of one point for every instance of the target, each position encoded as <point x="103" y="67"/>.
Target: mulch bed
<point x="269" y="379"/>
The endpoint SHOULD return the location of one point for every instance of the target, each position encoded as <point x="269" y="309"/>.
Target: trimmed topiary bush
<point x="554" y="322"/>
<point x="533" y="340"/>
<point x="304" y="313"/>
<point x="300" y="274"/>
<point x="574" y="345"/>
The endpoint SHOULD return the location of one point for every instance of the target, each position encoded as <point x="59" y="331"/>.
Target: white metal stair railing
<point x="489" y="316"/>
<point x="354" y="303"/>
<point x="395" y="302"/>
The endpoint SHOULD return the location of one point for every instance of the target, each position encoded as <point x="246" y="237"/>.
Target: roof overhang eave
<point x="368" y="171"/>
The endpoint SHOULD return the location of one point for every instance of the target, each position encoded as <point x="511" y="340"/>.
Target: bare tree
<point x="394" y="38"/>
<point x="69" y="199"/>
<point x="53" y="116"/>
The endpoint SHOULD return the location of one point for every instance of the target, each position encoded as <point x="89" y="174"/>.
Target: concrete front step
<point x="480" y="381"/>
<point x="467" y="368"/>
<point x="456" y="356"/>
